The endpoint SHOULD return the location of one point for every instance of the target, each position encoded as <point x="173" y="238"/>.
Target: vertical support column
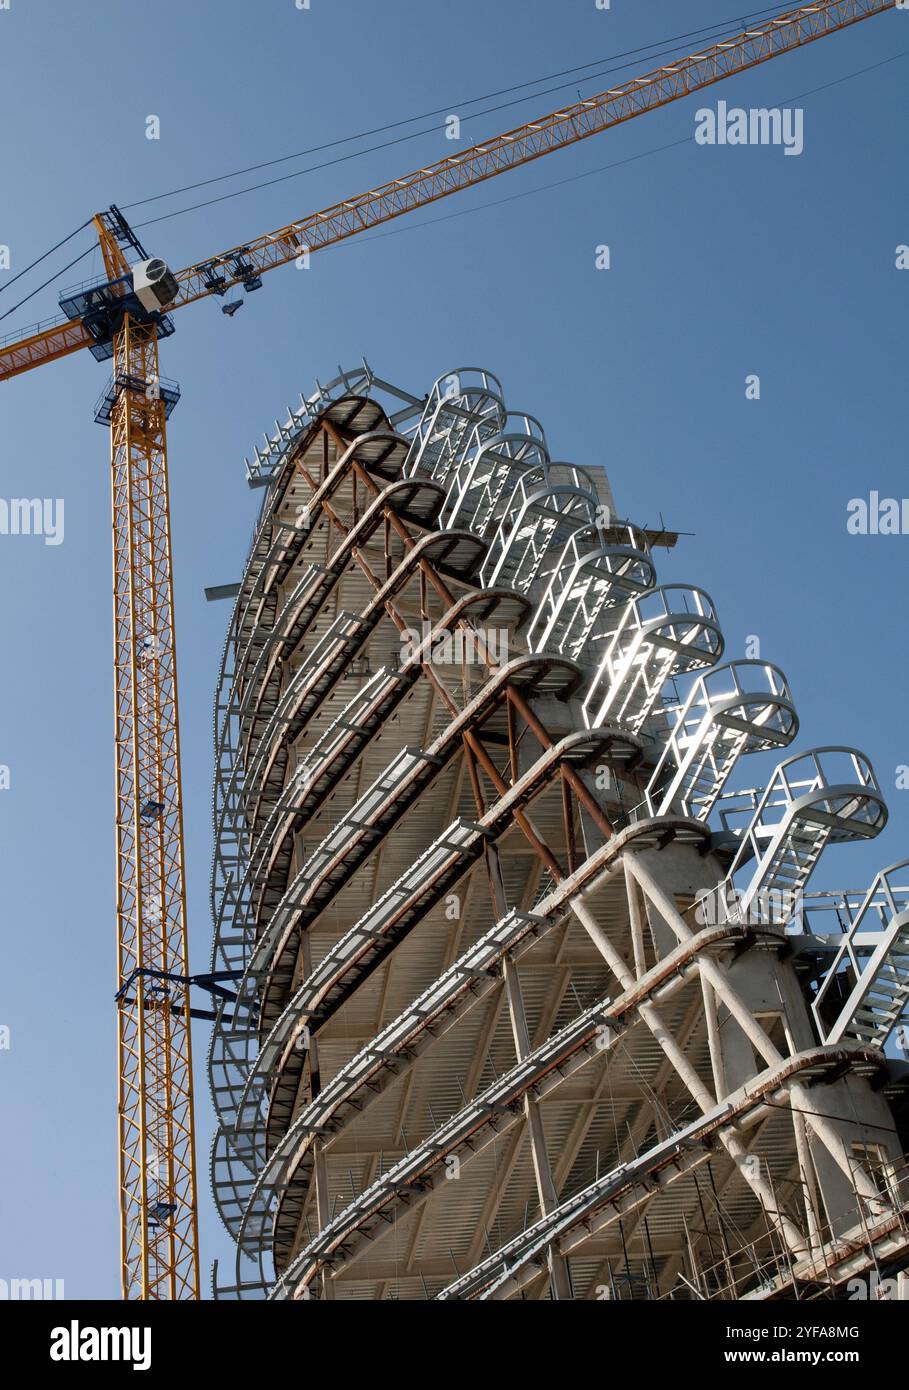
<point x="548" y="1197"/>
<point x="809" y="1187"/>
<point x="320" y="1168"/>
<point x="635" y="921"/>
<point x="712" y="974"/>
<point x="158" y="1226"/>
<point x="559" y="1281"/>
<point x="686" y="1073"/>
<point x="714" y="1040"/>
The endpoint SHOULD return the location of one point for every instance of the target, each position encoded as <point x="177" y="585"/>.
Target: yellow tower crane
<point x="122" y="318"/>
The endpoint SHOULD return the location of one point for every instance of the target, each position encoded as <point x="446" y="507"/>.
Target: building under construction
<point x="532" y="1002"/>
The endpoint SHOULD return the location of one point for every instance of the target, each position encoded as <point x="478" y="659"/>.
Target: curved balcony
<point x="233" y="1181"/>
<point x="349" y="401"/>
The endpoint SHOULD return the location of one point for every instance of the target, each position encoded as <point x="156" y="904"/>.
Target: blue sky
<point x="725" y="262"/>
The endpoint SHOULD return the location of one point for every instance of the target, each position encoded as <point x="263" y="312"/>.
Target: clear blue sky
<point x="725" y="262"/>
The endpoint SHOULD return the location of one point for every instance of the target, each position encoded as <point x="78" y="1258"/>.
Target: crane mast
<point x="159" y="1243"/>
<point x="159" y="1234"/>
<point x="158" y="1209"/>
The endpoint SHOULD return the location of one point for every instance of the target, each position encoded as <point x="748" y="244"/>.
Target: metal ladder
<point x="824" y="796"/>
<point x="875" y="962"/>
<point x="669" y="632"/>
<point x="464" y="407"/>
<point x="485" y="475"/>
<point x="596" y="572"/>
<point x="547" y="505"/>
<point x="742" y="707"/>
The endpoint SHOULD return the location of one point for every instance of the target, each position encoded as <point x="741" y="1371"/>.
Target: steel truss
<point x="158" y="1235"/>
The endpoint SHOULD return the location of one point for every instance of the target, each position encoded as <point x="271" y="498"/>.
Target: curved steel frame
<point x="477" y="525"/>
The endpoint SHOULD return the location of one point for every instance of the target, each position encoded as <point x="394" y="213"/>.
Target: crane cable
<point x="349" y="244"/>
<point x="429" y="222"/>
<point x="510" y="198"/>
<point x="19" y="274"/>
<point x="44" y="284"/>
<point x="666" y="52"/>
<point x="725" y="26"/>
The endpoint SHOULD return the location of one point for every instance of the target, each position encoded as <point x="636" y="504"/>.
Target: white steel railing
<point x="814" y="798"/>
<point x="743" y="707"/>
<point x="871" y="979"/>
<point x="667" y="633"/>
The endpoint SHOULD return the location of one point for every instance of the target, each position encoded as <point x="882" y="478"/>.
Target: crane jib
<point x="244" y="265"/>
